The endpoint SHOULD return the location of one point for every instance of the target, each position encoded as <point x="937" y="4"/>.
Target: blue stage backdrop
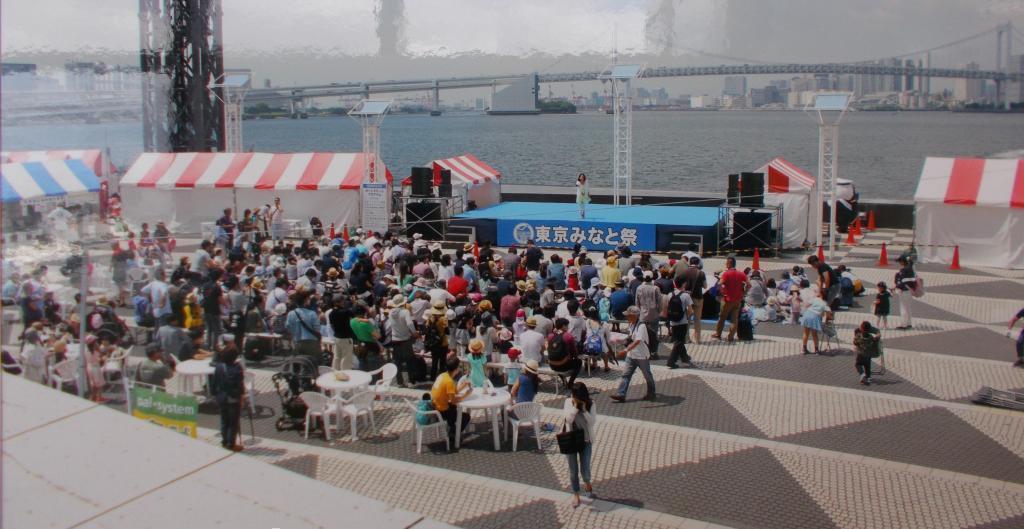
<point x="564" y="234"/>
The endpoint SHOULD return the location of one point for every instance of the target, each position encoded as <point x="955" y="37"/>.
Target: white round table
<point x="190" y="370"/>
<point x="479" y="399"/>
<point x="356" y="379"/>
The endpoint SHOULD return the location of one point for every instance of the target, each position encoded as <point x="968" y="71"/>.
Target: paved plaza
<point x="760" y="436"/>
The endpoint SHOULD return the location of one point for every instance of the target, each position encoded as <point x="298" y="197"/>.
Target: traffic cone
<point x="821" y="253"/>
<point x="849" y="237"/>
<point x="883" y="258"/>
<point x="871" y="220"/>
<point x="344" y="232"/>
<point x="856" y="227"/>
<point x="756" y="265"/>
<point x="331" y="233"/>
<point x="955" y="265"/>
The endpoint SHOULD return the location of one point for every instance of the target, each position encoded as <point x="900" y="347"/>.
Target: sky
<point x="337" y="40"/>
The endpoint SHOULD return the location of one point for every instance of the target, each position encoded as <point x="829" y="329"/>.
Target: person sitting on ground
<point x="153" y="370"/>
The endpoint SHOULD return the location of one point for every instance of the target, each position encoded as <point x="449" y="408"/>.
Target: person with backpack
<point x="904" y="285"/>
<point x="228" y="388"/>
<point x="595" y="345"/>
<point x="562" y="353"/>
<point x="435" y="337"/>
<point x="680" y="308"/>
<point x="637" y="356"/>
<point x="303" y="326"/>
<point x="868" y="343"/>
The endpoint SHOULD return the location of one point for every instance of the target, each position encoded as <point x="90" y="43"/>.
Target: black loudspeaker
<point x="752" y="190"/>
<point x="424" y="218"/>
<point x="422" y="181"/>
<point x="446" y="177"/>
<point x="732" y="196"/>
<point x="751" y="230"/>
<point x="444" y="190"/>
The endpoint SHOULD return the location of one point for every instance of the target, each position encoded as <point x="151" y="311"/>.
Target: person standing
<point x="403" y="334"/>
<point x="731" y="284"/>
<point x="159" y="296"/>
<point x="228" y="388"/>
<point x="813" y="316"/>
<point x="581" y="414"/>
<point x="435" y="337"/>
<point x="905" y="283"/>
<point x="213" y="295"/>
<point x="1020" y="338"/>
<point x="866" y="340"/>
<point x="648" y="298"/>
<point x="582" y="194"/>
<point x="828" y="281"/>
<point x="227" y="225"/>
<point x="881" y="306"/>
<point x="276" y="215"/>
<point x="680" y="307"/>
<point x="696" y="282"/>
<point x="637" y="356"/>
<point x="304" y="326"/>
<point x="341" y="323"/>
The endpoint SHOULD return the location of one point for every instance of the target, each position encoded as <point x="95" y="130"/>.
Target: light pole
<point x="374" y="199"/>
<point x="829" y="109"/>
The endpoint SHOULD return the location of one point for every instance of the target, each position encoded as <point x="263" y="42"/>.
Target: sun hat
<point x="280" y="309"/>
<point x="531" y="366"/>
<point x="520" y="285"/>
<point x="504" y="335"/>
<point x="468" y="247"/>
<point x="485" y="305"/>
<point x="60" y="346"/>
<point x="476" y="345"/>
<point x="422" y="282"/>
<point x="531" y="322"/>
<point x="397" y="301"/>
<point x="333" y="272"/>
<point x="439" y="305"/>
<point x="633" y="310"/>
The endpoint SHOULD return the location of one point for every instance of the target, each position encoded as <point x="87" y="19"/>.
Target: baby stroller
<point x="298" y="374"/>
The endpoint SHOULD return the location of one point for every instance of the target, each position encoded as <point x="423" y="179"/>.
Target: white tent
<point x="792" y="188"/>
<point x="974" y="203"/>
<point x="187" y="189"/>
<point x="472" y="180"/>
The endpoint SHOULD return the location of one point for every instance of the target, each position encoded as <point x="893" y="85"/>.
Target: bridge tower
<point x="621" y="77"/>
<point x="180" y="55"/>
<point x="1003" y="31"/>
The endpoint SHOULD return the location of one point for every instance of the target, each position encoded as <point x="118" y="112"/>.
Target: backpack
<point x="143" y="312"/>
<point x="556" y="350"/>
<point x="918" y="290"/>
<point x="431" y="338"/>
<point x="675" y="311"/>
<point x="228" y="381"/>
<point x="593" y="345"/>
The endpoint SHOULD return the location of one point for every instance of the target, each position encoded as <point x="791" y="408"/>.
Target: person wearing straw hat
<point x="637" y="356"/>
<point x="403" y="334"/>
<point x="531" y="342"/>
<point x="476" y="360"/>
<point x="524" y="389"/>
<point x="435" y="336"/>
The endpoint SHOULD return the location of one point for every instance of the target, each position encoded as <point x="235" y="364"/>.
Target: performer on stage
<point x="582" y="194"/>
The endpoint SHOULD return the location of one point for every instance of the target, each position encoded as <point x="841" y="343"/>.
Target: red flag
<point x="437" y="174"/>
<point x="476" y="251"/>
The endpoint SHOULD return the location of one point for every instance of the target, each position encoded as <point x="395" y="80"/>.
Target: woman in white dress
<point x="582" y="194"/>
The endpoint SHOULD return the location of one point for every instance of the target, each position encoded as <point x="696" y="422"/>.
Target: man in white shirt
<point x="637" y="356"/>
<point x="276" y="215"/>
<point x="403" y="334"/>
<point x="201" y="259"/>
<point x="159" y="298"/>
<point x="679" y="326"/>
<point x="531" y="342"/>
<point x="440" y="293"/>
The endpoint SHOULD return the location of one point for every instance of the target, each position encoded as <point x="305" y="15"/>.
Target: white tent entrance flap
<point x="973" y="203"/>
<point x="792" y="188"/>
<point x="186" y="189"/>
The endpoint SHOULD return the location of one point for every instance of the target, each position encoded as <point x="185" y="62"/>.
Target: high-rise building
<point x="969" y="90"/>
<point x="735" y="86"/>
<point x="1015" y="91"/>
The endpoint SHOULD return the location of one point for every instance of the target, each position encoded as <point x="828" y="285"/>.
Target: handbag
<point x="570" y="441"/>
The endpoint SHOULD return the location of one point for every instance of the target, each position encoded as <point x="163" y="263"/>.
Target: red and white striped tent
<point x="93" y="158"/>
<point x="472" y="179"/>
<point x="975" y="203"/>
<point x="792" y="188"/>
<point x="190" y="188"/>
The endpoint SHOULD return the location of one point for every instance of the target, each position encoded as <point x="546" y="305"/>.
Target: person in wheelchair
<point x="868" y="343"/>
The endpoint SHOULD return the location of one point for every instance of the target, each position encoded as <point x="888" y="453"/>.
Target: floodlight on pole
<point x="829" y="109"/>
<point x="622" y="76"/>
<point x="374" y="202"/>
<point x="234" y="85"/>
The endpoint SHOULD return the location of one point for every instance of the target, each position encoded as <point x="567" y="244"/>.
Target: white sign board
<point x="375" y="202"/>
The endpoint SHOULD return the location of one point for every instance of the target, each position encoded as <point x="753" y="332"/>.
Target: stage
<point x="558" y="225"/>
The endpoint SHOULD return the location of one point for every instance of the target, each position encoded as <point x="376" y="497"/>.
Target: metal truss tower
<point x="181" y="54"/>
<point x="622" y="76"/>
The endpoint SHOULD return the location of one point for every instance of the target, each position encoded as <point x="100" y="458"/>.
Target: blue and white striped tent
<point x="48" y="178"/>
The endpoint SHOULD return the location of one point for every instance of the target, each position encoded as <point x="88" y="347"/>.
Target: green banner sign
<point x="166" y="409"/>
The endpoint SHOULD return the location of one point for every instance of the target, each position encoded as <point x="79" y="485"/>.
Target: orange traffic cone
<point x="955" y="265"/>
<point x="821" y="253"/>
<point x="849" y="237"/>
<point x="856" y="227"/>
<point x="330" y="234"/>
<point x="871" y="220"/>
<point x="344" y="232"/>
<point x="756" y="265"/>
<point x="883" y="258"/>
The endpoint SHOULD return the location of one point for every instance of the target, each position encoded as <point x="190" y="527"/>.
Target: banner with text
<point x="375" y="201"/>
<point x="171" y="411"/>
<point x="564" y="234"/>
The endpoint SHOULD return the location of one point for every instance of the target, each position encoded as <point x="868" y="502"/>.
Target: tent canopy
<point x="21" y="181"/>
<point x="93" y="158"/>
<point x="784" y="177"/>
<point x="972" y="182"/>
<point x="307" y="171"/>
<point x="467" y="170"/>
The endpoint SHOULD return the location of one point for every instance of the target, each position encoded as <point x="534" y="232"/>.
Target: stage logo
<point x="522" y="233"/>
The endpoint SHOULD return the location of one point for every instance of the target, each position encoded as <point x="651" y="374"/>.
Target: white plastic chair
<point x="382" y="389"/>
<point x="438" y="426"/>
<point x="360" y="404"/>
<point x="525" y="414"/>
<point x="65" y="373"/>
<point x="113" y="368"/>
<point x="318" y="405"/>
<point x="249" y="380"/>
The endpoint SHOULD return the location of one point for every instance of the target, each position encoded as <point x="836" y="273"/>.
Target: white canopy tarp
<point x="977" y="204"/>
<point x="791" y="188"/>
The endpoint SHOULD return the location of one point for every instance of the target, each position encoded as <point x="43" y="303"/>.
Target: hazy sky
<point x="320" y="40"/>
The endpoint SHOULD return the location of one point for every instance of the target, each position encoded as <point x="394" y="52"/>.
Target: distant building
<point x="968" y="90"/>
<point x="705" y="101"/>
<point x="735" y="86"/>
<point x="1015" y="91"/>
<point x="734" y="102"/>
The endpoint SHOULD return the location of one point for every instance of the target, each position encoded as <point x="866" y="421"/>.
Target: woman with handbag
<point x="577" y="439"/>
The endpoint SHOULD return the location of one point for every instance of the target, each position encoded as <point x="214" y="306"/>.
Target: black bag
<point x="675" y="308"/>
<point x="745" y="328"/>
<point x="431" y="338"/>
<point x="419" y="369"/>
<point x="571" y="441"/>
